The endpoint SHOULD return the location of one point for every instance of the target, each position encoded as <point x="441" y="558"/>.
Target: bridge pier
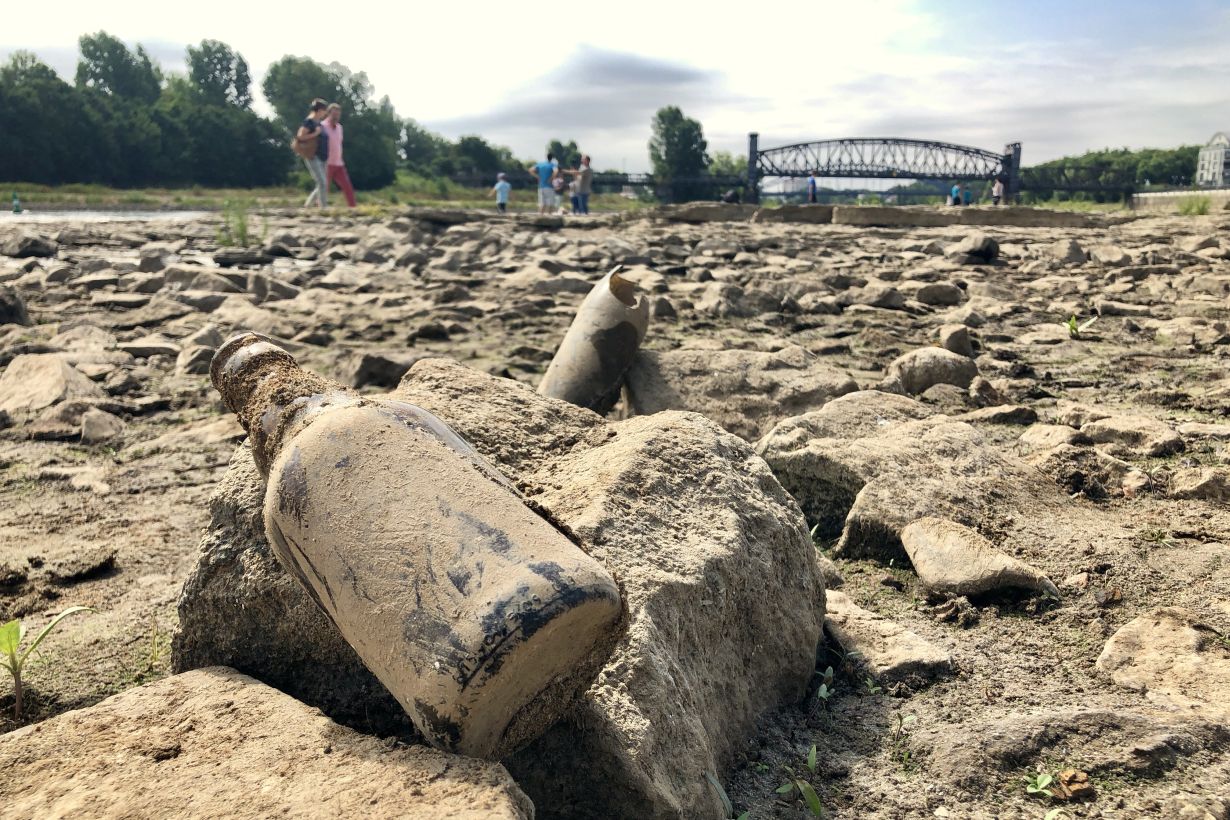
<point x="1012" y="168"/>
<point x="753" y="165"/>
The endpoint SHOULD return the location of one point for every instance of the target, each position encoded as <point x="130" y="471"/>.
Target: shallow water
<point x="87" y="215"/>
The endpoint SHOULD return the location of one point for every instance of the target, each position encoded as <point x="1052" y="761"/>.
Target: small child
<point x="501" y="188"/>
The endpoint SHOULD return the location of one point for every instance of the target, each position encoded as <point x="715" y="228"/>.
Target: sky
<point x="1059" y="76"/>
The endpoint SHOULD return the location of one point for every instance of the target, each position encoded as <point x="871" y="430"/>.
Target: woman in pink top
<point x="337" y="168"/>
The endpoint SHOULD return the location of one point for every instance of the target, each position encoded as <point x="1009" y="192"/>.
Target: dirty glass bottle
<point x="483" y="620"/>
<point x="589" y="366"/>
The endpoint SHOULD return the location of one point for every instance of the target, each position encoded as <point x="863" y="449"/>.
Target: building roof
<point x="1218" y="139"/>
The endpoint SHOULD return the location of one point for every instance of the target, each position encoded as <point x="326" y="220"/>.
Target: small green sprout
<point x="1075" y="330"/>
<point x="14" y="660"/>
<point x="1038" y="784"/>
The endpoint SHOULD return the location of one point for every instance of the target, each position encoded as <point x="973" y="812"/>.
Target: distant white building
<point x="1213" y="166"/>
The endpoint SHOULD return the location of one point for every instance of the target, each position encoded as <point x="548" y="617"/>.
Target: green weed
<point x="797" y="784"/>
<point x="14" y="660"/>
<point x="234" y="231"/>
<point x="1075" y="330"/>
<point x="1194" y="205"/>
<point x="1039" y="784"/>
<point x="899" y="740"/>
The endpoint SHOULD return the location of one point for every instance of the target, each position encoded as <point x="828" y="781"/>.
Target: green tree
<point x="474" y="155"/>
<point x="568" y="154"/>
<point x="677" y="151"/>
<point x="726" y="164"/>
<point x="424" y="151"/>
<point x="372" y="129"/>
<point x="50" y="137"/>
<point x="218" y="145"/>
<point x="220" y="74"/>
<point x="292" y="83"/>
<point x="106" y="65"/>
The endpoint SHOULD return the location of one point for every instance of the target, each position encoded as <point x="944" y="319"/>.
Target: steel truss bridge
<point x="871" y="158"/>
<point x="884" y="158"/>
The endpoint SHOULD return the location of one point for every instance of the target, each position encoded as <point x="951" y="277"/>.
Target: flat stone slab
<point x="1174" y="660"/>
<point x="745" y="391"/>
<point x="37" y="380"/>
<point x="215" y="743"/>
<point x="890" y="651"/>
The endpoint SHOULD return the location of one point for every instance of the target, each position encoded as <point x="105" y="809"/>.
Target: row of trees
<point x="1167" y="167"/>
<point x="123" y="122"/>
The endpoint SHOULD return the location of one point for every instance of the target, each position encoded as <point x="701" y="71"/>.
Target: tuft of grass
<point x="1194" y="205"/>
<point x="234" y="231"/>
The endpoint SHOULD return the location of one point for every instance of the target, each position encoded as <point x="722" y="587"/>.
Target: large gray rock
<point x="33" y="381"/>
<point x="975" y="248"/>
<point x="1128" y="436"/>
<point x="1174" y="659"/>
<point x="890" y="652"/>
<point x="1067" y="251"/>
<point x="25" y="245"/>
<point x="920" y="369"/>
<point x="710" y="567"/>
<point x="977" y="755"/>
<point x="955" y="560"/>
<point x="214" y="743"/>
<point x="12" y="307"/>
<point x="745" y="391"/>
<point x="866" y="465"/>
<point x="1204" y="483"/>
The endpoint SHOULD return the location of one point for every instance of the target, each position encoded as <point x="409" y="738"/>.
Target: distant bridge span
<point x="883" y="158"/>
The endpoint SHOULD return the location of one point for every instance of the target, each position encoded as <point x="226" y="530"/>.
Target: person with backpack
<point x="312" y="144"/>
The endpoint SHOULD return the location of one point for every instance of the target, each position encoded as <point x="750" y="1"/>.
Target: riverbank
<point x="409" y="189"/>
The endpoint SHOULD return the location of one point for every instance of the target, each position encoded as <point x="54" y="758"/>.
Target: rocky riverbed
<point x="1020" y="520"/>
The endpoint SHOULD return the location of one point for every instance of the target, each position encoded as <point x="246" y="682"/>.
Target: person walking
<point x="312" y="143"/>
<point x="335" y="166"/>
<point x="997" y="191"/>
<point x="545" y="172"/>
<point x="581" y="186"/>
<point x="811" y="188"/>
<point x="502" y="187"/>
<point x="954" y="197"/>
<point x="585" y="184"/>
<point x="967" y="196"/>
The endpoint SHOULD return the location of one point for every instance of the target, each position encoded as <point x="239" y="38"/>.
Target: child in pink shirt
<point x="336" y="167"/>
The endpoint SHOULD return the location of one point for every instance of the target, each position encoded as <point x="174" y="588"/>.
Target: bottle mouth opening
<point x="233" y="357"/>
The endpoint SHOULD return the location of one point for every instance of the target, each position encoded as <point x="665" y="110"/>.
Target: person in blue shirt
<point x="811" y="188"/>
<point x="967" y="196"/>
<point x="955" y="195"/>
<point x="544" y="172"/>
<point x="501" y="188"/>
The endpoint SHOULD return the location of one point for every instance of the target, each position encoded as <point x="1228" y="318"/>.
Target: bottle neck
<point x="270" y="394"/>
